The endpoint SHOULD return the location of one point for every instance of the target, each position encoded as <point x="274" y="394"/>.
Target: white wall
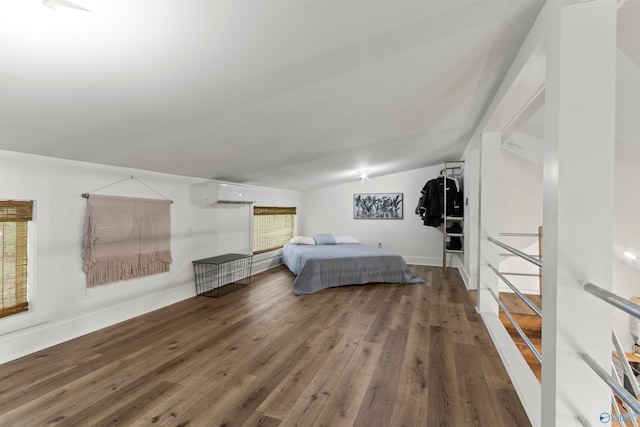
<point x="331" y="210"/>
<point x="521" y="190"/>
<point x="521" y="197"/>
<point x="626" y="272"/>
<point x="63" y="308"/>
<point x="528" y="285"/>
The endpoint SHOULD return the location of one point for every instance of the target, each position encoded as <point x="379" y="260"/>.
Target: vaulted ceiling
<point x="280" y="93"/>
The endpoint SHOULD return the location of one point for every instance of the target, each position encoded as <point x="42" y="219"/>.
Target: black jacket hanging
<point x="431" y="204"/>
<point x="452" y="194"/>
<point x="431" y="209"/>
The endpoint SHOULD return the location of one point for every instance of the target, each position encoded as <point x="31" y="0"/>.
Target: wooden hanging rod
<point x="86" y="195"/>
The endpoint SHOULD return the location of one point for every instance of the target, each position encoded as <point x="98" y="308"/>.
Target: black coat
<point x="431" y="204"/>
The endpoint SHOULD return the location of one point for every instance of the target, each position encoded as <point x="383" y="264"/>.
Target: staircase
<point x="528" y="322"/>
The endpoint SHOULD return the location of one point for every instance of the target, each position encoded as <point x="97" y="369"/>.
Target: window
<point x="14" y="249"/>
<point x="272" y="227"/>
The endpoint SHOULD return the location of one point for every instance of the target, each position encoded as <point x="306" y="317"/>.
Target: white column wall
<point x="579" y="160"/>
<point x="469" y="269"/>
<point x="521" y="375"/>
<point x="489" y="221"/>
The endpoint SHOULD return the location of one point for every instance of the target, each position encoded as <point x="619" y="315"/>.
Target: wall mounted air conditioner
<point x="210" y="193"/>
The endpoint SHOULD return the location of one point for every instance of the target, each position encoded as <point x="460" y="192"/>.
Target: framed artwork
<point x="378" y="206"/>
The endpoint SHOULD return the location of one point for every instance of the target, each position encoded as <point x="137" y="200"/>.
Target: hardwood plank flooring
<point x="375" y="355"/>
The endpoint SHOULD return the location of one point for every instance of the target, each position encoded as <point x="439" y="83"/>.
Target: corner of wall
<point x="464" y="274"/>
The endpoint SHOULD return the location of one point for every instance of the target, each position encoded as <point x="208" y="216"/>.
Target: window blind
<point x="273" y="227"/>
<point x="14" y="250"/>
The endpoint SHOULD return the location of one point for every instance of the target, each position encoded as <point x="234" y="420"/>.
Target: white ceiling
<point x="294" y="94"/>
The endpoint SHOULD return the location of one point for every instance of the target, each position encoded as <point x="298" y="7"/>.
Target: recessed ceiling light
<point x="630" y="255"/>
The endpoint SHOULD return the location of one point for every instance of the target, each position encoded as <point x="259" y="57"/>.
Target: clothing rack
<point x="456" y="168"/>
<point x="86" y="195"/>
<point x="453" y="168"/>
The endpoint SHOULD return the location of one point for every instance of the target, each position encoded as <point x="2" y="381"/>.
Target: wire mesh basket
<point x="219" y="275"/>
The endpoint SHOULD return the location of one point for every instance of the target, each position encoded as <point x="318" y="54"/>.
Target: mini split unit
<point x="211" y="193"/>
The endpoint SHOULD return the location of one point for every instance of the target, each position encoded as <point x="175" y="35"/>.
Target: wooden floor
<point x="375" y="355"/>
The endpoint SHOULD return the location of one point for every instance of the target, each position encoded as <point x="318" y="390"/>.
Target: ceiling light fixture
<point x="364" y="174"/>
<point x="630" y="255"/>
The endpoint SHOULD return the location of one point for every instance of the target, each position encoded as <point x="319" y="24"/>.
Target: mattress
<point x="318" y="267"/>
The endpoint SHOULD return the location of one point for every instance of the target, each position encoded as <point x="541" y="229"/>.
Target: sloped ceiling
<point x="288" y="94"/>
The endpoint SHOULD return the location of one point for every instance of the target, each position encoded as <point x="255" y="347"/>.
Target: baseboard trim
<point x="265" y="264"/>
<point x="428" y="261"/>
<point x="40" y="337"/>
<point x="465" y="276"/>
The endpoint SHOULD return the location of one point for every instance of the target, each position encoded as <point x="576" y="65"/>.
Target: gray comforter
<point x="319" y="267"/>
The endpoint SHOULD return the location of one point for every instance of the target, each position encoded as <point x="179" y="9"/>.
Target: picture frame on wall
<point x="378" y="206"/>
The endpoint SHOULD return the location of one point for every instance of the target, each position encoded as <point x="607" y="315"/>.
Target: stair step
<point x="529" y="323"/>
<point x="516" y="305"/>
<point x="519" y="342"/>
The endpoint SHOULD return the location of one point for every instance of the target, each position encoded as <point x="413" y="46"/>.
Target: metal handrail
<point x="613" y="299"/>
<point x="521" y="254"/>
<point x="629" y="308"/>
<point x="583" y="421"/>
<point x="521" y="274"/>
<point x="626" y="367"/>
<point x="531" y="255"/>
<point x="524" y="336"/>
<point x="614" y="402"/>
<point x="526" y="300"/>
<point x="619" y="391"/>
<point x="519" y="234"/>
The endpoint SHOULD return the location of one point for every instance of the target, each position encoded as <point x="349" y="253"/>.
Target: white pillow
<point x="346" y="239"/>
<point x="302" y="240"/>
<point x="324" y="239"/>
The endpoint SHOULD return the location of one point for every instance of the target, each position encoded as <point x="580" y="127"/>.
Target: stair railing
<point x="538" y="256"/>
<point x="532" y="259"/>
<point x="615" y="385"/>
<point x="518" y="329"/>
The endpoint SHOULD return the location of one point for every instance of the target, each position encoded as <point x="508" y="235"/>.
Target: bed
<point x="318" y="266"/>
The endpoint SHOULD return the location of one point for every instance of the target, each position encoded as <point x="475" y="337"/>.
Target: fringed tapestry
<point x="125" y="237"/>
